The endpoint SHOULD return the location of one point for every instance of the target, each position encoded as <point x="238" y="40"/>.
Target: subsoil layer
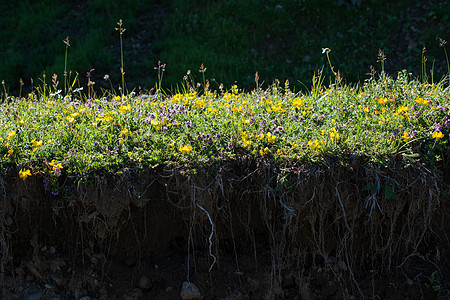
<point x="240" y="229"/>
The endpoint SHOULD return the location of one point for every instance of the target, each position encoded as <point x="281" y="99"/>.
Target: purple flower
<point x="188" y="124"/>
<point x="413" y="133"/>
<point x="447" y="123"/>
<point x="438" y="127"/>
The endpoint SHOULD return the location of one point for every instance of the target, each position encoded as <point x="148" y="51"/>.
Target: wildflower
<point x="264" y="151"/>
<point x="10" y="152"/>
<point x="10" y="135"/>
<point x="125" y="108"/>
<point x="422" y="101"/>
<point x="200" y="103"/>
<point x="437" y="135"/>
<point x="366" y="110"/>
<point x="406" y="137"/>
<point x="23" y="174"/>
<point x="36" y="143"/>
<point x="382" y="100"/>
<point x="401" y="109"/>
<point x="185" y="149"/>
<point x="124" y="132"/>
<point x="314" y="144"/>
<point x="297" y="103"/>
<point x="334" y="135"/>
<point x="270" y="137"/>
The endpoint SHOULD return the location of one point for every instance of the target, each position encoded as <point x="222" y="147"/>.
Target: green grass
<point x="383" y="119"/>
<point x="233" y="39"/>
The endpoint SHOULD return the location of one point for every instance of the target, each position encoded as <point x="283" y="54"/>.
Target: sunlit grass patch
<point x="382" y="119"/>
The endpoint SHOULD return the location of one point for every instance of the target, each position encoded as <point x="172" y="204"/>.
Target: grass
<point x="233" y="39"/>
<point x="51" y="134"/>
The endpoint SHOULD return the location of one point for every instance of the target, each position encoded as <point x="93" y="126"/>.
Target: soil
<point x="237" y="230"/>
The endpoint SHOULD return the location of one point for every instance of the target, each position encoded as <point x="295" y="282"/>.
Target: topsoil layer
<point x="240" y="229"/>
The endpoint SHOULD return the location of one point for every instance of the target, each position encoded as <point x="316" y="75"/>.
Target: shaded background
<point x="233" y="39"/>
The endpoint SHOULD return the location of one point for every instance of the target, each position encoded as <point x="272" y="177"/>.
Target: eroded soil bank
<point x="238" y="230"/>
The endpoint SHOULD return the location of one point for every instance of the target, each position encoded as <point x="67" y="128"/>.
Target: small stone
<point x="49" y="286"/>
<point x="52" y="250"/>
<point x="190" y="291"/>
<point x="409" y="281"/>
<point x="156" y="267"/>
<point x="34" y="295"/>
<point x="145" y="282"/>
<point x="168" y="289"/>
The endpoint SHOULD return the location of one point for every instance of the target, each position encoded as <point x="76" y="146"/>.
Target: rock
<point x="145" y="282"/>
<point x="34" y="295"/>
<point x="409" y="281"/>
<point x="190" y="291"/>
<point x="49" y="286"/>
<point x="168" y="289"/>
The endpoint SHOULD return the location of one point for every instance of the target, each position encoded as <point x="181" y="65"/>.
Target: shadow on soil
<point x="240" y="229"/>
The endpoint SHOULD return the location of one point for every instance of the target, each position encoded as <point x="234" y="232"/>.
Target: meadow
<point x="49" y="132"/>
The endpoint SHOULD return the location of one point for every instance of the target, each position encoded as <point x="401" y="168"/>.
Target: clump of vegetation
<point x="381" y="119"/>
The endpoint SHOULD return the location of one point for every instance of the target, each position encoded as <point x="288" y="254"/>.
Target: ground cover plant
<point x="382" y="118"/>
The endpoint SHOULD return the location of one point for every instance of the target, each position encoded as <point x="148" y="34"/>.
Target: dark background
<point x="233" y="39"/>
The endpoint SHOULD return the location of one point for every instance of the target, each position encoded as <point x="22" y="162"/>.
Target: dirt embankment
<point x="237" y="230"/>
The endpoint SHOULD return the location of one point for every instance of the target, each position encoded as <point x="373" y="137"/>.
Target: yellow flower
<point x="200" y="103"/>
<point x="401" y="109"/>
<point x="314" y="144"/>
<point x="55" y="165"/>
<point x="24" y="174"/>
<point x="406" y="137"/>
<point x="10" y="152"/>
<point x="422" y="101"/>
<point x="124" y="132"/>
<point x="382" y="100"/>
<point x="263" y="151"/>
<point x="270" y="137"/>
<point x="10" y="135"/>
<point x="185" y="149"/>
<point x="366" y="110"/>
<point x="245" y="121"/>
<point x="246" y="142"/>
<point x="437" y="135"/>
<point x="36" y="143"/>
<point x="125" y="108"/>
<point x="334" y="135"/>
<point x="297" y="103"/>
